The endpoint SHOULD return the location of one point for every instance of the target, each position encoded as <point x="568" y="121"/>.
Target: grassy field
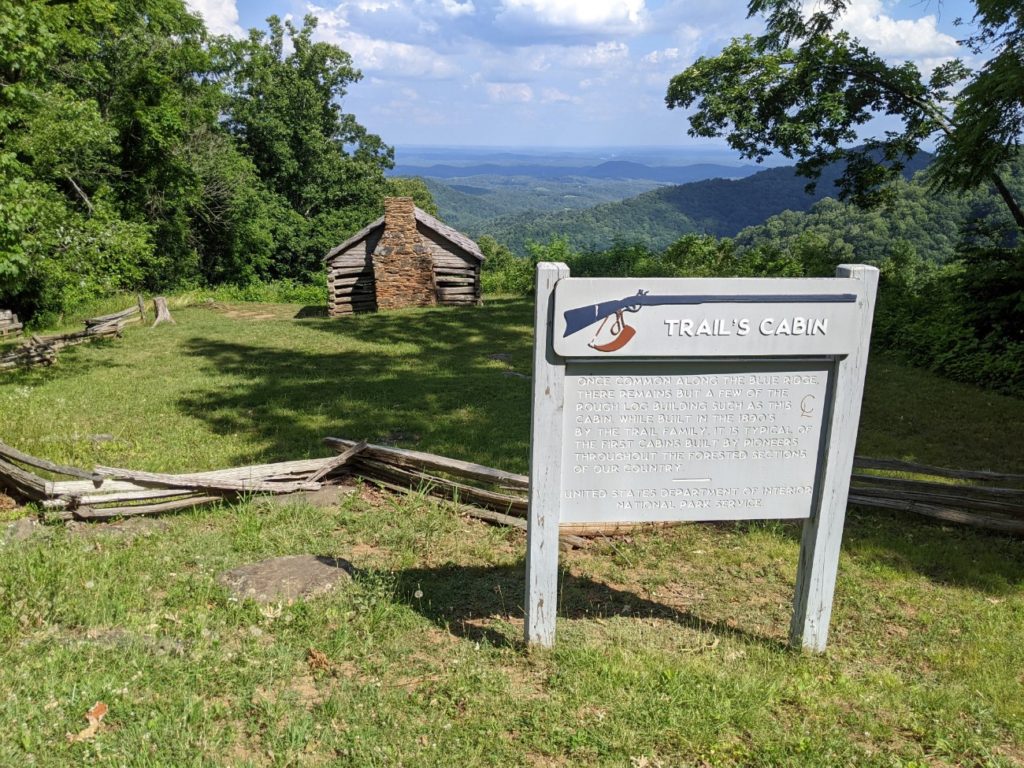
<point x="671" y="643"/>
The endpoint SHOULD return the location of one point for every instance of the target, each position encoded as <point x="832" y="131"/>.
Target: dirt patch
<point x="244" y="314"/>
<point x="302" y="688"/>
<point x="286" y="579"/>
<point x="251" y="312"/>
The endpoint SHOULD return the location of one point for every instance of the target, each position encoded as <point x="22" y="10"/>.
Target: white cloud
<point x="555" y="96"/>
<point x="387" y="57"/>
<point x="374" y="6"/>
<point x="221" y="16"/>
<point x="600" y="55"/>
<point x="580" y="14"/>
<point x="657" y="57"/>
<point x="395" y="58"/>
<point x="504" y="93"/>
<point x="895" y="38"/>
<point x="455" y="8"/>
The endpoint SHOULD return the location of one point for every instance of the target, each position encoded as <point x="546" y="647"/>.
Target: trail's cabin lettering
<point x="696" y="399"/>
<point x="769" y="326"/>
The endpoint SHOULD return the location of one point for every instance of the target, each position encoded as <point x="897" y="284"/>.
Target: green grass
<point x="671" y="643"/>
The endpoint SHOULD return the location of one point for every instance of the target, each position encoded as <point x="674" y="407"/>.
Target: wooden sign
<point x="696" y="399"/>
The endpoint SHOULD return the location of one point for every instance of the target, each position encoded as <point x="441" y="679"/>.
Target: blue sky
<point x="552" y="73"/>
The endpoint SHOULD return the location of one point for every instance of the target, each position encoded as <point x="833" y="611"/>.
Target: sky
<point x="553" y="73"/>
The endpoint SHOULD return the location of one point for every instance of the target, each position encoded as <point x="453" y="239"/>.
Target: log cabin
<point x="406" y="258"/>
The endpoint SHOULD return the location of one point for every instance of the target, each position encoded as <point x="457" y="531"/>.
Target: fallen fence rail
<point x="110" y="492"/>
<point x="489" y="494"/>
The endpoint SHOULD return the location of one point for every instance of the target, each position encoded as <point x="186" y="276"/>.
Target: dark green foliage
<point x="503" y="271"/>
<point x="324" y="169"/>
<point x="951" y="294"/>
<point x="133" y="155"/>
<point x="808" y="91"/>
<point x="471" y="203"/>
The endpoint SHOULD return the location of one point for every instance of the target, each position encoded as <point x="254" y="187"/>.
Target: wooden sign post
<point x="696" y="399"/>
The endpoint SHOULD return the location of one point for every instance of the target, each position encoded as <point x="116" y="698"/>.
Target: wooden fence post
<point x="163" y="315"/>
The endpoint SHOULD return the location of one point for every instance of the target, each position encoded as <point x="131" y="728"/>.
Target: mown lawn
<point x="671" y="643"/>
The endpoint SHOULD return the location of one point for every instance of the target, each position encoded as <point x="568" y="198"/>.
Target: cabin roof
<point x="422" y="217"/>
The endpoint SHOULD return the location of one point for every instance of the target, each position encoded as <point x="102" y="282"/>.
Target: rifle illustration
<point x="583" y="317"/>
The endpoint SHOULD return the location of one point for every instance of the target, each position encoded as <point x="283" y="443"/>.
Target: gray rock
<point x="287" y="579"/>
<point x="21" y="530"/>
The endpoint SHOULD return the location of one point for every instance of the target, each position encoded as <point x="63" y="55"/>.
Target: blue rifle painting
<point x="622" y="333"/>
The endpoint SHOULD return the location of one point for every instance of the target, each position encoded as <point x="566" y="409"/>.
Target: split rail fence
<point x="42" y="350"/>
<point x="969" y="497"/>
<point x="9" y="324"/>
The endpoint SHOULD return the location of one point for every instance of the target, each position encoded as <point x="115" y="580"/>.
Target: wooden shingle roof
<point x="422" y="217"/>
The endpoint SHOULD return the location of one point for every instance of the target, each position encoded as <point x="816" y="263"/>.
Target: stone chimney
<point x="402" y="268"/>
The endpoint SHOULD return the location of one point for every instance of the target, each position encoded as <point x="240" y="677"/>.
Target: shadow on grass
<point x="947" y="554"/>
<point x="465" y="600"/>
<point x="311" y="310"/>
<point x="72" y="363"/>
<point x="944" y="553"/>
<point x="437" y="380"/>
<point x="428" y="373"/>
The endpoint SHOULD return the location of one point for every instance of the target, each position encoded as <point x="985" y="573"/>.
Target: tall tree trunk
<point x="1010" y="200"/>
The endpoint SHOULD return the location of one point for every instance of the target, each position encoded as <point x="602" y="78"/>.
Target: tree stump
<point x="163" y="315"/>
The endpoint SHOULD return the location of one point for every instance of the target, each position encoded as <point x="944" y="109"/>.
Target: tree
<point x="806" y="90"/>
<point x="284" y="108"/>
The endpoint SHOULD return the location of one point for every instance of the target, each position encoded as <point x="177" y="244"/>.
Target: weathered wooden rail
<point x="953" y="495"/>
<point x="9" y="324"/>
<point x="994" y="508"/>
<point x="42" y="350"/>
<point x="959" y="496"/>
<point x="111" y="492"/>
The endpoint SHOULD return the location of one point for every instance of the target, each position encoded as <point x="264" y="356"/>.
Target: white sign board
<point x="693" y="317"/>
<point x="654" y="441"/>
<point x="696" y="399"/>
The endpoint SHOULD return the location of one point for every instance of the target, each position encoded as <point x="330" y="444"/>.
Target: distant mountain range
<point x="720" y="207"/>
<point x="612" y="169"/>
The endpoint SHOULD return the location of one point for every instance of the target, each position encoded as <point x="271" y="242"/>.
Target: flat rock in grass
<point x="287" y="579"/>
<point x="329" y="495"/>
<point x="21" y="530"/>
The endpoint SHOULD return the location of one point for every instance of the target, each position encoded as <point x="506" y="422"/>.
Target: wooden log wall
<point x="457" y="278"/>
<point x="350" y="284"/>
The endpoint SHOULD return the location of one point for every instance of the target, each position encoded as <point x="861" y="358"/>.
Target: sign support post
<point x="823" y="531"/>
<point x="545" y="466"/>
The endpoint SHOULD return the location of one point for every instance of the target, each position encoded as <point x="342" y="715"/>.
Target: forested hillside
<point x="471" y="203"/>
<point x="718" y="207"/>
<point x="139" y="152"/>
